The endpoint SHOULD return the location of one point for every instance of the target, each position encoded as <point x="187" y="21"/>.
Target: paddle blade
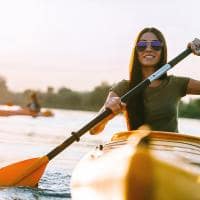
<point x="23" y="173"/>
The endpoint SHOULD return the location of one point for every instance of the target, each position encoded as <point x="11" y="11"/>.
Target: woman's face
<point x="149" y="50"/>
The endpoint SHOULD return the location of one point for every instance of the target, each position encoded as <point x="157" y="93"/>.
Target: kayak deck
<point x="140" y="165"/>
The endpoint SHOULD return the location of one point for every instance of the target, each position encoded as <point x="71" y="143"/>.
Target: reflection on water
<point x="24" y="137"/>
<point x="23" y="193"/>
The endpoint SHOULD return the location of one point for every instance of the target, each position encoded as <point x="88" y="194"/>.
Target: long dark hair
<point x="135" y="105"/>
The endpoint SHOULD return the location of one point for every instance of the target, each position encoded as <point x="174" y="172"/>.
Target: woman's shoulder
<point x="121" y="87"/>
<point x="178" y="79"/>
<point x="179" y="84"/>
<point x="123" y="82"/>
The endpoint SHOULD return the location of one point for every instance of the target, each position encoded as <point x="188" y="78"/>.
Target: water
<point x="24" y="137"/>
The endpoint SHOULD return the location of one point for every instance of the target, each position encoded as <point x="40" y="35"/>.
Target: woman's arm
<point x="193" y="87"/>
<point x="114" y="103"/>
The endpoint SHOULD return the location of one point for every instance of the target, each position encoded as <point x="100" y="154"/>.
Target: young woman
<point x="156" y="106"/>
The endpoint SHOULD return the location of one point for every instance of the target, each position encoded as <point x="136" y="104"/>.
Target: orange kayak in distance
<point x="17" y="110"/>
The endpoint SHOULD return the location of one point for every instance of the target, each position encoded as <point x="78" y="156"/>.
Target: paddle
<point x="29" y="172"/>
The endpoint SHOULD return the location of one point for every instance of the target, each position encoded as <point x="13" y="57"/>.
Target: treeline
<point x="63" y="98"/>
<point x="190" y="109"/>
<point x="66" y="98"/>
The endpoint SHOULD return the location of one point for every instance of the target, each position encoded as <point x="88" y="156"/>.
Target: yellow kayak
<point x="17" y="110"/>
<point x="140" y="165"/>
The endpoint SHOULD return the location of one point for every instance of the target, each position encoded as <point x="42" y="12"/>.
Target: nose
<point x="149" y="46"/>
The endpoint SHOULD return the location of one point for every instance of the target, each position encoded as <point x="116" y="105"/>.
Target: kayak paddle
<point x="29" y="172"/>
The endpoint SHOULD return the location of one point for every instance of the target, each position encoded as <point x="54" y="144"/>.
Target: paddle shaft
<point x="142" y="85"/>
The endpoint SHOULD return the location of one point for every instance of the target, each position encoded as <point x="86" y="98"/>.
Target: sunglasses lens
<point x="156" y="45"/>
<point x="141" y="45"/>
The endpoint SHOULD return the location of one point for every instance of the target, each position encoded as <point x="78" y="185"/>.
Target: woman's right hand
<point x="114" y="103"/>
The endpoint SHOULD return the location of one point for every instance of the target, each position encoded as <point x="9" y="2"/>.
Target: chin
<point x="149" y="64"/>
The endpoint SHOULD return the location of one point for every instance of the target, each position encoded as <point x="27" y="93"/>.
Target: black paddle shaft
<point x="142" y="85"/>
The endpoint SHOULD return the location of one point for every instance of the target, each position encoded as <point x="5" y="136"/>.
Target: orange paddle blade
<point x="23" y="173"/>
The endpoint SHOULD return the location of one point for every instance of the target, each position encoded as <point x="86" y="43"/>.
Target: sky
<point x="79" y="44"/>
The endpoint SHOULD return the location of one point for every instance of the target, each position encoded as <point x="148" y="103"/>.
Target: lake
<point x="24" y="137"/>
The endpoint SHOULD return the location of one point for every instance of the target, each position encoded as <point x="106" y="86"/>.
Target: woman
<point x="34" y="105"/>
<point x="157" y="105"/>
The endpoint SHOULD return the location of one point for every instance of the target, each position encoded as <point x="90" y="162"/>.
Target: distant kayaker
<point x="34" y="105"/>
<point x="157" y="105"/>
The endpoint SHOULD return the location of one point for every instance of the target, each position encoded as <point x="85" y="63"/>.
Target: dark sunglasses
<point x="155" y="45"/>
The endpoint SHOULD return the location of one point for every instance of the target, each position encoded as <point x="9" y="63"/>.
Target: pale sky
<point x="80" y="43"/>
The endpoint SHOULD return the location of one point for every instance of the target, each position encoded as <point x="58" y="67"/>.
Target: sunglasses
<point x="155" y="45"/>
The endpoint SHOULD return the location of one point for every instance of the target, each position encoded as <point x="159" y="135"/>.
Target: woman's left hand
<point x="195" y="46"/>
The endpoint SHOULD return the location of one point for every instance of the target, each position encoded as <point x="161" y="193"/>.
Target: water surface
<point x="24" y="137"/>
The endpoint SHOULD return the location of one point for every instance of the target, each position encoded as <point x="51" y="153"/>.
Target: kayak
<point x="140" y="165"/>
<point x="17" y="110"/>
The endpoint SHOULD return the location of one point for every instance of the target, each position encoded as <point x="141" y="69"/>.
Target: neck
<point x="147" y="71"/>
